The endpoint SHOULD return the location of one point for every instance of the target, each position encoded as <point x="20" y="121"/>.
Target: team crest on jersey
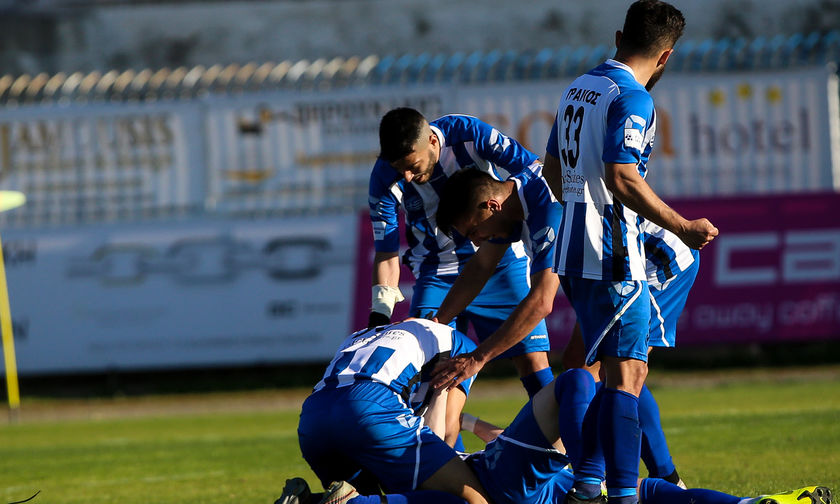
<point x="407" y="421"/>
<point x="633" y="128"/>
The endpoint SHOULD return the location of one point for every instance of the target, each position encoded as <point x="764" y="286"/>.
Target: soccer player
<point x="595" y="163"/>
<point x="416" y="158"/>
<point x="493" y="214"/>
<point x="363" y="417"/>
<point x="526" y="464"/>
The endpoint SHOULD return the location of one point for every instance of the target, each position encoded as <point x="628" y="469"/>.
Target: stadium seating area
<point x="425" y="68"/>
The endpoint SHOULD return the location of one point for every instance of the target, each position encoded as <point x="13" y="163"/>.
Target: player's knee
<point x="578" y="381"/>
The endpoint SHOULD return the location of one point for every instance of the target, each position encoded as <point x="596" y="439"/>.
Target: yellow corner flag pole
<point x="9" y="200"/>
<point x="8" y="340"/>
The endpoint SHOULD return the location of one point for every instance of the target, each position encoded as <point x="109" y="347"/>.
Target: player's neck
<point x="642" y="67"/>
<point x="512" y="205"/>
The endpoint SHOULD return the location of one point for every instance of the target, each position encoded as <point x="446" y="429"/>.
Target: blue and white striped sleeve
<point x="500" y="149"/>
<point x="384" y="206"/>
<point x="629" y="116"/>
<point x="543" y="224"/>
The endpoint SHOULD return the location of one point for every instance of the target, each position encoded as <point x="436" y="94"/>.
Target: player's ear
<point x="663" y="57"/>
<point x="494" y="204"/>
<point x="433" y="139"/>
<point x="617" y="38"/>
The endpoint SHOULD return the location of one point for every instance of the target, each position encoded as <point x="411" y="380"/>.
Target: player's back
<point x="393" y="355"/>
<point x="605" y="116"/>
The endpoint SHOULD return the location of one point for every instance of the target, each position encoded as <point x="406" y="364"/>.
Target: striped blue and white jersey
<point x="466" y="142"/>
<point x="400" y="356"/>
<point x="604" y="116"/>
<point x="538" y="229"/>
<point x="666" y="255"/>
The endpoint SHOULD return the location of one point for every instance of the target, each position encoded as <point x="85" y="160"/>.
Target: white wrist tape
<point x="468" y="422"/>
<point x="384" y="298"/>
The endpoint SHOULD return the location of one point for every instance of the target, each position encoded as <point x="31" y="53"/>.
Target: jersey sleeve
<point x="501" y="150"/>
<point x="628" y="117"/>
<point x="543" y="224"/>
<point x="384" y="206"/>
<point x="553" y="147"/>
<point x="461" y="344"/>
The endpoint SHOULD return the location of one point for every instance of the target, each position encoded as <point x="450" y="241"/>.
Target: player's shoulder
<point x="459" y="127"/>
<point x="635" y="96"/>
<point x="626" y="88"/>
<point x="382" y="176"/>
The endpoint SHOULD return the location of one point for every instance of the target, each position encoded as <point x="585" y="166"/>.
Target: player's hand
<point x="698" y="233"/>
<point x="378" y="319"/>
<point x="451" y="372"/>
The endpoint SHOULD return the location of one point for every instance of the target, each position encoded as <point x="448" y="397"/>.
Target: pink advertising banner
<point x="772" y="275"/>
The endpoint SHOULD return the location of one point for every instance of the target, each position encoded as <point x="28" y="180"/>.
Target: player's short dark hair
<point x="459" y="196"/>
<point x="650" y="26"/>
<point x="399" y="130"/>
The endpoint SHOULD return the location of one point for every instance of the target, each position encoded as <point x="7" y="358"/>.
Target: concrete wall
<point x="63" y="36"/>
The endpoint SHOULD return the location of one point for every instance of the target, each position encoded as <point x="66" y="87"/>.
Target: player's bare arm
<point x="484" y="430"/>
<point x="624" y="181"/>
<point x="435" y="416"/>
<point x="455" y="401"/>
<point x="471" y="280"/>
<point x="553" y="175"/>
<point x="533" y="308"/>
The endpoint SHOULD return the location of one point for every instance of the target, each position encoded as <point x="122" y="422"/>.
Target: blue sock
<point x="535" y="381"/>
<point x="590" y="473"/>
<point x="621" y="438"/>
<point x="573" y="391"/>
<point x="415" y="497"/>
<point x="658" y="491"/>
<point x="655" y="452"/>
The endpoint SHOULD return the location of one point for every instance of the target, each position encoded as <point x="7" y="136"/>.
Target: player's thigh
<point x="667" y="304"/>
<point x="457" y="478"/>
<point x="429" y="292"/>
<point x="395" y="445"/>
<point x="370" y="427"/>
<point x="518" y="465"/>
<point x="487" y="319"/>
<point x="321" y="449"/>
<point x="614" y="317"/>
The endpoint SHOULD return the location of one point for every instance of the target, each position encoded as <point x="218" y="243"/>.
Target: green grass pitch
<point x="744" y="433"/>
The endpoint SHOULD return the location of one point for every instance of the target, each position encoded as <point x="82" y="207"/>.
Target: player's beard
<point x="657" y="74"/>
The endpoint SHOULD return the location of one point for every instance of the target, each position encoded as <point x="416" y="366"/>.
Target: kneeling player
<point x="360" y="420"/>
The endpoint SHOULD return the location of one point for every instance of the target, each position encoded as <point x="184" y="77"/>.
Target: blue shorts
<point x="488" y="311"/>
<point x="614" y="317"/>
<point x="667" y="302"/>
<point x="521" y="466"/>
<point x="366" y="427"/>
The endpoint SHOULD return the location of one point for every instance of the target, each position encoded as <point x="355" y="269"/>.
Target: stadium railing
<point x="493" y="66"/>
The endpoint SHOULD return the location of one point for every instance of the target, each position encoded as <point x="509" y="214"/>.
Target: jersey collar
<point x="620" y="65"/>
